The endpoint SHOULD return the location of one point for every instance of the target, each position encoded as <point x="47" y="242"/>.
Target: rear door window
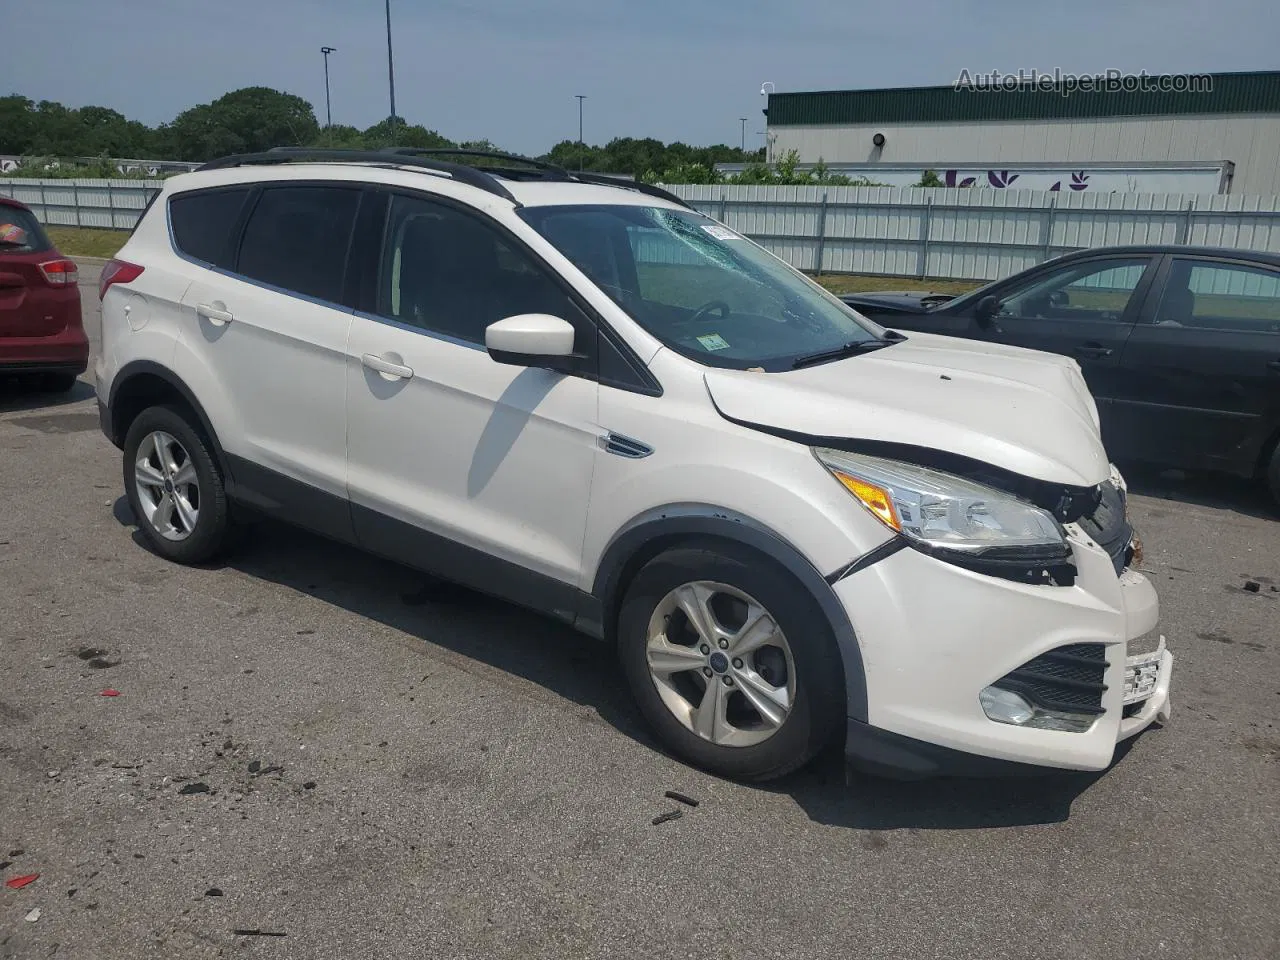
<point x="202" y="223"/>
<point x="1221" y="296"/>
<point x="297" y="239"/>
<point x="20" y="232"/>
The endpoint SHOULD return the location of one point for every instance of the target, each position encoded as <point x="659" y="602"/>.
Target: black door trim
<point x="272" y="494"/>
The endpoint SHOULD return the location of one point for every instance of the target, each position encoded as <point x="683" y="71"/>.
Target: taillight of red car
<point x="60" y="272"/>
<point x="117" y="271"/>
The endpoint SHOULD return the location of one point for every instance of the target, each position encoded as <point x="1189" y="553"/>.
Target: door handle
<point x="1093" y="351"/>
<point x="219" y="316"/>
<point x="389" y="370"/>
<point x="1274" y="366"/>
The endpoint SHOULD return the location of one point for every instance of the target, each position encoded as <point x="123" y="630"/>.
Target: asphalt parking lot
<point x="399" y="771"/>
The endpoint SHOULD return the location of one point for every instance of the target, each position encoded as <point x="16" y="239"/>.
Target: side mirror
<point x="986" y="309"/>
<point x="532" y="340"/>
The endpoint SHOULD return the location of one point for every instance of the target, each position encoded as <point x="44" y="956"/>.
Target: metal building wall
<point x="1250" y="141"/>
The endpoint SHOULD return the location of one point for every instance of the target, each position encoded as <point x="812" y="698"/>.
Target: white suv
<point x="584" y="397"/>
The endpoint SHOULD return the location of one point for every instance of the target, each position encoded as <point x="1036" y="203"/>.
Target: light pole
<point x="744" y="133"/>
<point x="582" y="147"/>
<point x="391" y="72"/>
<point x="328" y="106"/>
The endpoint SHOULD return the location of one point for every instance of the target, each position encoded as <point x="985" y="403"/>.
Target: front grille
<point x="1069" y="679"/>
<point x="1108" y="525"/>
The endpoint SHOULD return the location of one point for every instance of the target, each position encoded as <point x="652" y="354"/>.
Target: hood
<point x="896" y="301"/>
<point x="1020" y="410"/>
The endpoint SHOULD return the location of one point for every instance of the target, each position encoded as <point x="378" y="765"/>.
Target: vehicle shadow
<point x="17" y="396"/>
<point x="454" y="619"/>
<point x="490" y="632"/>
<point x="834" y="796"/>
<point x="1246" y="497"/>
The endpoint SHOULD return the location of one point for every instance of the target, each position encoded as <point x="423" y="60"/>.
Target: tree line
<point x="258" y="118"/>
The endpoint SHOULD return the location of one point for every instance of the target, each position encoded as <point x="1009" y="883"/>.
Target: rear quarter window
<point x="203" y="222"/>
<point x="20" y="232"/>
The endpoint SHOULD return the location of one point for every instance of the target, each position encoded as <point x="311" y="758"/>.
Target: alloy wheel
<point x="721" y="663"/>
<point x="167" y="485"/>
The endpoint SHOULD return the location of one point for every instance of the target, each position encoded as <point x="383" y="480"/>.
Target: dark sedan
<point x="1180" y="345"/>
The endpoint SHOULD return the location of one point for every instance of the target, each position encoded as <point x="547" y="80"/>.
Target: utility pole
<point x="582" y="147"/>
<point x="328" y="106"/>
<point x="391" y="72"/>
<point x="744" y="133"/>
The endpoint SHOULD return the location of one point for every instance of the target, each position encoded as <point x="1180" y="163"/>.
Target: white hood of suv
<point x="1022" y="410"/>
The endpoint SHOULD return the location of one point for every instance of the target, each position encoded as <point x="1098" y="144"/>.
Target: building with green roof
<point x="1197" y="133"/>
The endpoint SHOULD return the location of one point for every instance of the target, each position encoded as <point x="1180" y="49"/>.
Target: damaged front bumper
<point x="934" y="636"/>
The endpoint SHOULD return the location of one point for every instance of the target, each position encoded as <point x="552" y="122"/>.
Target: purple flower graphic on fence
<point x="1080" y="181"/>
<point x="952" y="176"/>
<point x="1000" y="178"/>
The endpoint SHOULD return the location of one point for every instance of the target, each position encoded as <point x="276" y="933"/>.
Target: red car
<point x="41" y="330"/>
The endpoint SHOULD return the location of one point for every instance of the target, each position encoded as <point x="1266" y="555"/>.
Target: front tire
<point x="731" y="661"/>
<point x="175" y="487"/>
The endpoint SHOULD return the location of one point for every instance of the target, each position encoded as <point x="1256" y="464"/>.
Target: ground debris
<point x="189" y="788"/>
<point x="668" y="816"/>
<point x="259" y="933"/>
<point x="17" y="883"/>
<point x="681" y="798"/>
<point x="1252" y="586"/>
<point x="33" y="916"/>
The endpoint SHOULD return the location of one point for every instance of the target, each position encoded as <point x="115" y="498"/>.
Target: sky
<point x="508" y="70"/>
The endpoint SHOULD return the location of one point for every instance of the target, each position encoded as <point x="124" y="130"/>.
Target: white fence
<point x="892" y="231"/>
<point x="972" y="234"/>
<point x="109" y="204"/>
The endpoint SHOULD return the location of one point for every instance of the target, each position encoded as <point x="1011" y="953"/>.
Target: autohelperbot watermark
<point x="1066" y="84"/>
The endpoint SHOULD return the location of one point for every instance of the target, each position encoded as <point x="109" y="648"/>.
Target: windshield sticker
<point x="713" y="341"/>
<point x="721" y="233"/>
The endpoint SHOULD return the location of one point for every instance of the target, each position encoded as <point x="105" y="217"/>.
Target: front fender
<point x="685" y="521"/>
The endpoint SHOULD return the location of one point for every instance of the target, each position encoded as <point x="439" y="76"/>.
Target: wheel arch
<point x="662" y="528"/>
<point x="1267" y="451"/>
<point x="144" y="383"/>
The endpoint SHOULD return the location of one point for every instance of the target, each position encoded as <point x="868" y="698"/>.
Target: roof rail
<point x="560" y="173"/>
<point x="472" y="176"/>
<point x="485" y="179"/>
<point x="479" y="154"/>
<point x="638" y="185"/>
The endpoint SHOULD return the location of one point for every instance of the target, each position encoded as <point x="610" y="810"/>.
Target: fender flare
<point x="693" y="520"/>
<point x="137" y="368"/>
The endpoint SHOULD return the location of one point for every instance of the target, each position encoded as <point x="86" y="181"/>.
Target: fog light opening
<point x="1005" y="706"/>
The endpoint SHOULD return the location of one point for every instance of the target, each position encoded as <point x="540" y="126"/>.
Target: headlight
<point x="942" y="511"/>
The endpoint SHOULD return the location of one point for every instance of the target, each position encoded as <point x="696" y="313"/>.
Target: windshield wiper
<point x="851" y="349"/>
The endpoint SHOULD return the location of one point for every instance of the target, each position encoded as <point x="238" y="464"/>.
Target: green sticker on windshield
<point x="713" y="341"/>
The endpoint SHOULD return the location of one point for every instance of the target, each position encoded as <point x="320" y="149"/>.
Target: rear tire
<point x="175" y="487"/>
<point x="783" y="699"/>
